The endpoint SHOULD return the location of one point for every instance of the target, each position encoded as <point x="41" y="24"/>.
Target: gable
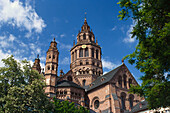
<point x="70" y="76"/>
<point x="121" y="75"/>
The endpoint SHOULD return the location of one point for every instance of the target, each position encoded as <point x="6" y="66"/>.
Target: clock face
<point x="83" y="46"/>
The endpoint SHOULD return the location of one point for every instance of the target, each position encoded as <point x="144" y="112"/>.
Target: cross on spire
<point x="85" y="14"/>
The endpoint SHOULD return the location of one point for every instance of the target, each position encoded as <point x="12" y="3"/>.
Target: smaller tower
<point x="51" y="68"/>
<point x="36" y="65"/>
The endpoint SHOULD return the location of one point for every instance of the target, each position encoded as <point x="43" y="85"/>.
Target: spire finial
<point x="85" y="14"/>
<point x="54" y="39"/>
<point x="85" y="21"/>
<point x="122" y="60"/>
<point x="74" y="43"/>
<point x="37" y="56"/>
<point x="96" y="41"/>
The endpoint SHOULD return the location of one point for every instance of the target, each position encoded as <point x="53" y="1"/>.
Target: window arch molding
<point x="84" y="36"/>
<point x="84" y="82"/>
<point x="69" y="78"/>
<point x="86" y="52"/>
<point x="120" y="81"/>
<point x="131" y="99"/>
<point x="95" y="102"/>
<point x="81" y="52"/>
<point x="123" y="100"/>
<point x="130" y="82"/>
<point x="124" y="80"/>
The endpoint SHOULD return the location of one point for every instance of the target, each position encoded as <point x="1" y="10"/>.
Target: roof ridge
<point x="112" y="70"/>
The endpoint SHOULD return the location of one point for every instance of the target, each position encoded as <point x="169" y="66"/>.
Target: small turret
<point x="36" y="65"/>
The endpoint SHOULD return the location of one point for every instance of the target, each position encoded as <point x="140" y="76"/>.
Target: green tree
<point x="152" y="54"/>
<point x="21" y="88"/>
<point x="67" y="107"/>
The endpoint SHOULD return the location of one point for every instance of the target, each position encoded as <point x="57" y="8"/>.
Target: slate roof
<point x="66" y="83"/>
<point x="107" y="77"/>
<point x="136" y="108"/>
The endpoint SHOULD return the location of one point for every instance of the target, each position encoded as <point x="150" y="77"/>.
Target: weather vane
<point x="85" y="14"/>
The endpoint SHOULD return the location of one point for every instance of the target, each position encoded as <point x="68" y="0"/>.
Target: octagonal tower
<point x="86" y="56"/>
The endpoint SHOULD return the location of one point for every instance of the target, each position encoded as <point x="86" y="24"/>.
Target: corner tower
<point x="86" y="56"/>
<point x="51" y="68"/>
<point x="36" y="65"/>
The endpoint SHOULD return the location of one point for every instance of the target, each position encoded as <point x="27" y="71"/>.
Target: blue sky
<point x="28" y="26"/>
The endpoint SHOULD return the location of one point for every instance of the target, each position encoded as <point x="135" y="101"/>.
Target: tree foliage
<point x="152" y="54"/>
<point x="67" y="107"/>
<point x="21" y="88"/>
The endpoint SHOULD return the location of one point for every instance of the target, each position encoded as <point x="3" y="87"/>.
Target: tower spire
<point x="85" y="20"/>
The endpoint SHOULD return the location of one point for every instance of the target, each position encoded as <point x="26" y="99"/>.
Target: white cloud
<point x="128" y="39"/>
<point x="2" y="37"/>
<point x="22" y="16"/>
<point x="65" y="61"/>
<point x="3" y="55"/>
<point x="108" y="65"/>
<point x="114" y="28"/>
<point x="62" y="35"/>
<point x="4" y="44"/>
<point x="11" y="37"/>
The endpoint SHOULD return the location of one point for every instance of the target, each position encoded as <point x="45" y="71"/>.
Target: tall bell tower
<point x="86" y="56"/>
<point x="51" y="68"/>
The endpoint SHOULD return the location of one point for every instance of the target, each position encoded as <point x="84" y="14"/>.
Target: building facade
<point x="85" y="83"/>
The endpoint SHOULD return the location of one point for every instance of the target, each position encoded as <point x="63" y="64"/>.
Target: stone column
<point x="83" y="52"/>
<point x="71" y="57"/>
<point x="78" y="53"/>
<point x="99" y="54"/>
<point x="94" y="53"/>
<point x="90" y="55"/>
<point x="75" y="55"/>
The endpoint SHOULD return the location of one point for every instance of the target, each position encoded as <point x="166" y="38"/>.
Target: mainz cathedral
<point x="85" y="84"/>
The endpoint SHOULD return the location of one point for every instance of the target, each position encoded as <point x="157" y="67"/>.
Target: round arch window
<point x="96" y="104"/>
<point x="69" y="78"/>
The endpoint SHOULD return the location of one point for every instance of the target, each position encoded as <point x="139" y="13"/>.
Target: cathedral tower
<point x="51" y="68"/>
<point x="36" y="65"/>
<point x="86" y="56"/>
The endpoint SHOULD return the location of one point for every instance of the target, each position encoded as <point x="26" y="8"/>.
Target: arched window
<point x="81" y="63"/>
<point x="97" y="54"/>
<point x="52" y="67"/>
<point x="124" y="79"/>
<point x="97" y="64"/>
<point x="92" y="52"/>
<point x="69" y="78"/>
<point x="75" y="54"/>
<point x="90" y="37"/>
<point x="84" y="82"/>
<point x="131" y="98"/>
<point x="87" y="71"/>
<point x="120" y="81"/>
<point x="61" y="92"/>
<point x="86" y="52"/>
<point x="123" y="98"/>
<point x="49" y="56"/>
<point x="53" y="56"/>
<point x="65" y="92"/>
<point x="130" y="82"/>
<point x="96" y="104"/>
<point x="84" y="36"/>
<point x="48" y="67"/>
<point x="81" y="52"/>
<point x="72" y="56"/>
